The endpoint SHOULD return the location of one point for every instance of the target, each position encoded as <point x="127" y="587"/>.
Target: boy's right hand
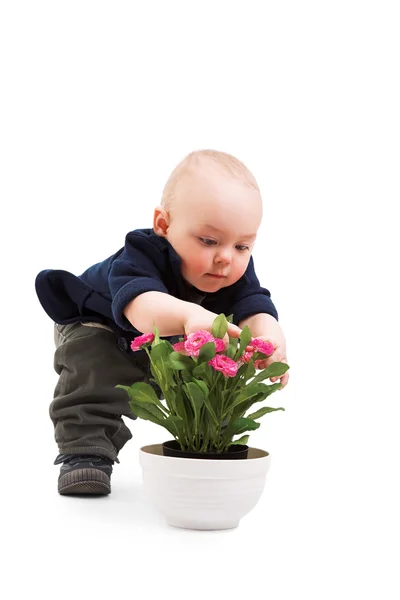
<point x="201" y="319"/>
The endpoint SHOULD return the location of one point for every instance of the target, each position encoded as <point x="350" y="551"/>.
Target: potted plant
<point x="203" y="478"/>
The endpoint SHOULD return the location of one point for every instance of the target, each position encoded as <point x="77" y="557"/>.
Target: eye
<point x="207" y="242"/>
<point x="242" y="248"/>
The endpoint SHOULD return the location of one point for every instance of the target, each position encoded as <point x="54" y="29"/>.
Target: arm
<point x="262" y="324"/>
<point x="171" y="315"/>
<point x="168" y="313"/>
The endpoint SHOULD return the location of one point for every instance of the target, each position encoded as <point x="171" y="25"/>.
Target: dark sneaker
<point x="84" y="474"/>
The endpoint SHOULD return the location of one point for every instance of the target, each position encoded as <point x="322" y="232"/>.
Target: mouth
<point x="216" y="276"/>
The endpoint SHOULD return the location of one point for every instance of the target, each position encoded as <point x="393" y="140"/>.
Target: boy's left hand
<point x="279" y="355"/>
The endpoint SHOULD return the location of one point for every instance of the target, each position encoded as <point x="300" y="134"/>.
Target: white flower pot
<point x="203" y="494"/>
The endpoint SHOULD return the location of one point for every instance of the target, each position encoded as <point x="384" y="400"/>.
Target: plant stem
<point x="223" y="398"/>
<point x="215" y="383"/>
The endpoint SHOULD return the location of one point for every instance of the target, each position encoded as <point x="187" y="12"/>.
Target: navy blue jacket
<point x="146" y="263"/>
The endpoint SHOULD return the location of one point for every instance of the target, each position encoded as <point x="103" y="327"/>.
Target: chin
<point x="202" y="288"/>
<point x="213" y="287"/>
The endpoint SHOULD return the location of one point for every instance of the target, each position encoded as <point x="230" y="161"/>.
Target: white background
<point x="99" y="102"/>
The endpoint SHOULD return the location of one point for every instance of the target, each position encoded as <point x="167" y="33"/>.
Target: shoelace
<point x="73" y="459"/>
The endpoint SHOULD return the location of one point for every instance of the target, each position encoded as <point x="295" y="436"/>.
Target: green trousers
<point x="87" y="409"/>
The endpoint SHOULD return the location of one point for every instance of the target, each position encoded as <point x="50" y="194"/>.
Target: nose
<point x="223" y="256"/>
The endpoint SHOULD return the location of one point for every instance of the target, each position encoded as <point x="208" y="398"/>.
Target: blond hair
<point x="221" y="160"/>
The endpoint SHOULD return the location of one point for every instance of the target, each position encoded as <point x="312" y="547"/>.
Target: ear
<point x="161" y="221"/>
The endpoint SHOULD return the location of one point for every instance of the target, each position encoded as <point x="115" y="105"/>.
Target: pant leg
<point x="87" y="408"/>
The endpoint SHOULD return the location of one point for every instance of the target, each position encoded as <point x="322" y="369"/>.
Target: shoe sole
<point x="84" y="481"/>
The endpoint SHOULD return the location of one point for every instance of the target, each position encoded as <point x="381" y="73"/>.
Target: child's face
<point x="212" y="226"/>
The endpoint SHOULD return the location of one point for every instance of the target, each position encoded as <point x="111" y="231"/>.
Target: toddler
<point x="194" y="264"/>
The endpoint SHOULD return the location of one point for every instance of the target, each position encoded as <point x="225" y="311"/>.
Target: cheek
<point x="197" y="261"/>
<point x="241" y="266"/>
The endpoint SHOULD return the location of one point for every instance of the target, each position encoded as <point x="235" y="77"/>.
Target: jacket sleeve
<point x="136" y="270"/>
<point x="251" y="298"/>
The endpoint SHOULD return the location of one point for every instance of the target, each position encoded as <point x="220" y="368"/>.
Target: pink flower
<point x="219" y="344"/>
<point x="196" y="340"/>
<point x="264" y="347"/>
<point x="247" y="357"/>
<point x="179" y="347"/>
<point x="141" y="340"/>
<point x="225" y="364"/>
<point x="248" y="353"/>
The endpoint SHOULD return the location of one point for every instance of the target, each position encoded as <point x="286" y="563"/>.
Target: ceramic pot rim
<point x="156" y="450"/>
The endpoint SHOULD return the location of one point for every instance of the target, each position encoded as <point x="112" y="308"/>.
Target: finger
<point x="260" y="364"/>
<point x="283" y="378"/>
<point x="234" y="331"/>
<point x="270" y="362"/>
<point x="284" y="381"/>
<point x="226" y="340"/>
<point x="276" y="358"/>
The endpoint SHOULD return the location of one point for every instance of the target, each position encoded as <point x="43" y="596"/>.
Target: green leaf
<point x="243" y="440"/>
<point x="250" y="372"/>
<point x="186" y="375"/>
<point x="210" y="410"/>
<point x="157" y="375"/>
<point x="276" y="369"/>
<point x="201" y="370"/>
<point x="246" y="372"/>
<point x="220" y="326"/>
<point x="148" y="408"/>
<point x="203" y="389"/>
<point x="242" y="408"/>
<point x="245" y="339"/>
<point x="196" y="397"/>
<point x="207" y="352"/>
<point x="161" y="351"/>
<point x="180" y="405"/>
<point x="263" y="411"/>
<point x="161" y="370"/>
<point x="174" y="424"/>
<point x="232" y="347"/>
<point x="180" y="362"/>
<point x="242" y="369"/>
<point x="170" y="398"/>
<point x="230" y="318"/>
<point x="243" y="424"/>
<point x="240" y="426"/>
<point x="142" y="393"/>
<point x="245" y="394"/>
<point x="146" y="412"/>
<point x="156" y="340"/>
<point x="202" y="385"/>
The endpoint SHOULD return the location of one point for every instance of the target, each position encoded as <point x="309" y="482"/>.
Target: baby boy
<point x="194" y="264"/>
